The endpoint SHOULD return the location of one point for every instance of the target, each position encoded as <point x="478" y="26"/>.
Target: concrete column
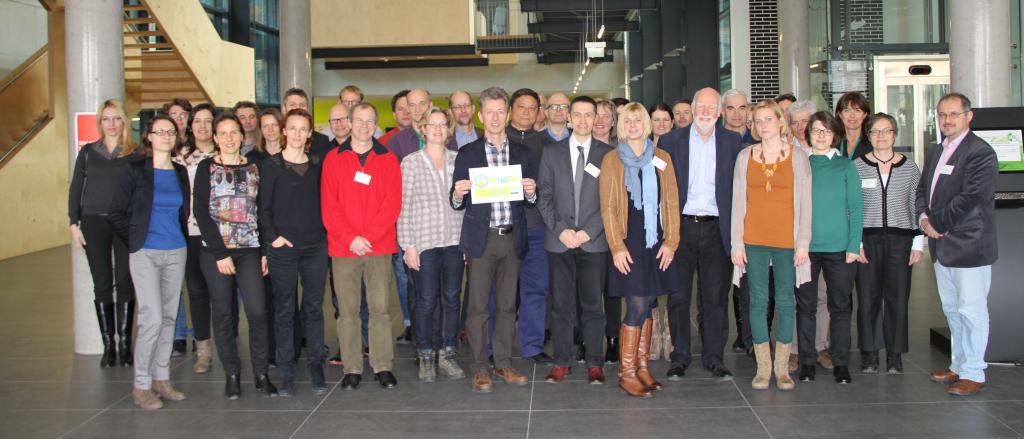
<point x="794" y="48"/>
<point x="700" y="32"/>
<point x="739" y="34"/>
<point x="979" y="51"/>
<point x="296" y="69"/>
<point x="634" y="66"/>
<point x="672" y="79"/>
<point x="95" y="73"/>
<point x="650" y="33"/>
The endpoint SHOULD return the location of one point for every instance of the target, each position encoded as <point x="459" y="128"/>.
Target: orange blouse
<point x="769" y="219"/>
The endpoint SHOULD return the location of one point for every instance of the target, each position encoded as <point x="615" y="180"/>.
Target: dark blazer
<point x="477" y="220"/>
<point x="555" y="198"/>
<point x="321" y="145"/>
<point x="728" y="145"/>
<point x="963" y="205"/>
<point x="132" y="205"/>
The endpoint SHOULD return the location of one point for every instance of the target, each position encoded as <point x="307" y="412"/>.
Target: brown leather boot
<point x="167" y="391"/>
<point x="782" y="379"/>
<point x="204" y="355"/>
<point x="146" y="399"/>
<point x="654" y="347"/>
<point x="763" y="354"/>
<point x="643" y="353"/>
<point x="629" y="338"/>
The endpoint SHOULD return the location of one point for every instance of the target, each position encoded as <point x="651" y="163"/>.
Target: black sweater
<point x="95" y="180"/>
<point x="290" y="202"/>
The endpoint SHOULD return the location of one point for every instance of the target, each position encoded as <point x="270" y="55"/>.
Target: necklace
<point x="769" y="171"/>
<point x="884" y="162"/>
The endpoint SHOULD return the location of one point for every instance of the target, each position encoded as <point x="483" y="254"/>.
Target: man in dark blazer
<point x="956" y="206"/>
<point x="704" y="155"/>
<point x="493" y="239"/>
<point x="569" y="203"/>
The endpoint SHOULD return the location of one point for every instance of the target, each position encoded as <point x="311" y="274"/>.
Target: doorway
<point x="907" y="87"/>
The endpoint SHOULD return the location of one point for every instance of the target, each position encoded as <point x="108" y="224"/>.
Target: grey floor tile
<point x="446" y="425"/>
<point x="569" y="395"/>
<point x="443" y="395"/>
<point x="209" y="395"/>
<point x="77" y="368"/>
<point x="1010" y="413"/>
<point x="62" y="395"/>
<point x="25" y="424"/>
<point x="686" y="423"/>
<point x="927" y="420"/>
<point x="865" y="389"/>
<point x="164" y="423"/>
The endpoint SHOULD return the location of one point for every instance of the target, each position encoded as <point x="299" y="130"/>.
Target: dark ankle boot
<point x="611" y="355"/>
<point x="264" y="385"/>
<point x="233" y="387"/>
<point x="105" y="317"/>
<point x="125" y="314"/>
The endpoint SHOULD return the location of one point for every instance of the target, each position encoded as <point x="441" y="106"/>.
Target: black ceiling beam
<point x="580" y="27"/>
<point x="584" y="5"/>
<point x="564" y="58"/>
<point x="552" y="46"/>
<point x="353" y="52"/>
<point x="405" y="64"/>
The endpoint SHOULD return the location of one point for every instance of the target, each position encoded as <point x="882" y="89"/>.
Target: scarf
<point x="644" y="193"/>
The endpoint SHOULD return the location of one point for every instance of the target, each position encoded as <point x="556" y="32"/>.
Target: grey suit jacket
<point x="555" y="201"/>
<point x="962" y="207"/>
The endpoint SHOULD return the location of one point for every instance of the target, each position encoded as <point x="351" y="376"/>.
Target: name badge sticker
<point x="946" y="170"/>
<point x="362" y="177"/>
<point x="869" y="184"/>
<point x="594" y="171"/>
<point x="658" y="163"/>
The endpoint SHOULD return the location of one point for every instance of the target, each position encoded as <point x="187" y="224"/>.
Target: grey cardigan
<point x="801" y="206"/>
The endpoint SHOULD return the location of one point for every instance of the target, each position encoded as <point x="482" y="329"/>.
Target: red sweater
<point x="351" y="208"/>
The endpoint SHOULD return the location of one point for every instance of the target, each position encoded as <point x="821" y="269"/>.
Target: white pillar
<point x="95" y="73"/>
<point x="979" y="51"/>
<point x="295" y="59"/>
<point x="794" y="48"/>
<point x="739" y="35"/>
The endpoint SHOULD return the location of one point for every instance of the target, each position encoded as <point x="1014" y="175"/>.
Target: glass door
<point x="905" y="92"/>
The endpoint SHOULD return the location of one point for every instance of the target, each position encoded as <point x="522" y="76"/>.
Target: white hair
<point x="734" y="92"/>
<point x="802" y="106"/>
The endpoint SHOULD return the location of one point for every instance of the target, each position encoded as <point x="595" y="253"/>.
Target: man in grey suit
<point x="956" y="205"/>
<point x="569" y="203"/>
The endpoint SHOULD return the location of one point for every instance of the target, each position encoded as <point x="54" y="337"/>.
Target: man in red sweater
<point x="361" y="197"/>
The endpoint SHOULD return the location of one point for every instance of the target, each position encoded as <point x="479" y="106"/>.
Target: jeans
<point x="286" y="265"/>
<point x="249" y="278"/>
<point x="157" y="274"/>
<point x="839" y="289"/>
<point x="181" y="329"/>
<point x="533" y="294"/>
<point x="102" y="244"/>
<point x="758" y="258"/>
<point x="402" y="285"/>
<point x="964" y="296"/>
<point x="439" y="279"/>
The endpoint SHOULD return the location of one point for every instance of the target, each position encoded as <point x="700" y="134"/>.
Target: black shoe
<point x="316" y="374"/>
<point x="719" y="371"/>
<point x="105" y="317"/>
<point x="894" y="364"/>
<point x="178" y="348"/>
<point x="581" y="354"/>
<point x="386" y="379"/>
<point x="490" y="359"/>
<point x="351" y="381"/>
<point x="264" y="385"/>
<point x="738" y="346"/>
<point x="542" y="359"/>
<point x="807" y="373"/>
<point x="233" y="388"/>
<point x="676" y="373"/>
<point x="124" y="313"/>
<point x="611" y="355"/>
<point x="869" y="362"/>
<point x="405" y="337"/>
<point x="842" y="374"/>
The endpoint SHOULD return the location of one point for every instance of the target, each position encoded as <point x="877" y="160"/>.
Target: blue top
<point x="164" y="229"/>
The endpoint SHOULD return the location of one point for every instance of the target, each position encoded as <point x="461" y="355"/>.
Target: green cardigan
<point x="837" y="205"/>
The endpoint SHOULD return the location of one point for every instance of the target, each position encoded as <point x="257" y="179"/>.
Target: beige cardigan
<point x="615" y="201"/>
<point x="801" y="209"/>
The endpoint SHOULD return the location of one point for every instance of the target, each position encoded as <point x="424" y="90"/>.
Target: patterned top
<point x="889" y="205"/>
<point x="230" y="194"/>
<point x="190" y="161"/>
<point x="501" y="212"/>
<point x="426" y="220"/>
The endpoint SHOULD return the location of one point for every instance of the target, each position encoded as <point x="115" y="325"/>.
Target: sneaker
<point x="449" y="364"/>
<point x="405" y="337"/>
<point x="426" y="367"/>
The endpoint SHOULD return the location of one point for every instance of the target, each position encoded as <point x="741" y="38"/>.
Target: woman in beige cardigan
<point x="640" y="211"/>
<point x="771" y="226"/>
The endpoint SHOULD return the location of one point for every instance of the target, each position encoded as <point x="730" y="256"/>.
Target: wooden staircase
<point x="154" y="72"/>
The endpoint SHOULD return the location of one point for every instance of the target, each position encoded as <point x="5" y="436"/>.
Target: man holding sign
<point x="493" y="233"/>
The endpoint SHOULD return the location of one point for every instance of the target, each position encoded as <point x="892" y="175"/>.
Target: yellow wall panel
<point x="35" y="195"/>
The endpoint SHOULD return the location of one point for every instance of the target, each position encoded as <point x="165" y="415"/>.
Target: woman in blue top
<point x="150" y="213"/>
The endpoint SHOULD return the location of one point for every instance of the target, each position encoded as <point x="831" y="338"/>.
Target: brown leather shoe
<point x="482" y="382"/>
<point x="511" y="376"/>
<point x="944" y="376"/>
<point x="825" y="360"/>
<point x="167" y="391"/>
<point x="595" y="375"/>
<point x="965" y="387"/>
<point x="558" y="374"/>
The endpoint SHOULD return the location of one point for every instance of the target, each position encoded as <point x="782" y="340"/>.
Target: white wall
<point x="22" y="31"/>
<point x="601" y="79"/>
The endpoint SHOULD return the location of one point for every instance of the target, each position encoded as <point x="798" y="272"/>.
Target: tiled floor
<point x="48" y="391"/>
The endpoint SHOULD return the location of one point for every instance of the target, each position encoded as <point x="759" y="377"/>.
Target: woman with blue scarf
<point x="640" y="211"/>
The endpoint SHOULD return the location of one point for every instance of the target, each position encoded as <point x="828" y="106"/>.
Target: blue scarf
<point x="643" y="193"/>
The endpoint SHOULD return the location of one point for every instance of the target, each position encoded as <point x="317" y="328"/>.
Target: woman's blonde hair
<point x="776" y="109"/>
<point x="128" y="145"/>
<point x="447" y="118"/>
<point x="633" y="108"/>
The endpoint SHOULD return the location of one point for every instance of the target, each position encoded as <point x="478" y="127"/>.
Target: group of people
<point x="619" y="203"/>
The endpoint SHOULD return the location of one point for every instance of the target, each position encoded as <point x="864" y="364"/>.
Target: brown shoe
<point x="167" y="391"/>
<point x="146" y="399"/>
<point x="944" y="376"/>
<point x="825" y="360"/>
<point x="511" y="376"/>
<point x="643" y="352"/>
<point x="965" y="387"/>
<point x="482" y="382"/>
<point x="558" y="374"/>
<point x="629" y="338"/>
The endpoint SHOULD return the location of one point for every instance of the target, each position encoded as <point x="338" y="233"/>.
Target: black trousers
<point x="839" y="277"/>
<point x="287" y="265"/>
<point x="883" y="291"/>
<point x="249" y="278"/>
<point x="701" y="252"/>
<point x="100" y="244"/>
<point x="577" y="282"/>
<point x="198" y="291"/>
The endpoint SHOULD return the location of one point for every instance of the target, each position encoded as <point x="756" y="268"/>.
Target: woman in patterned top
<point x="225" y="207"/>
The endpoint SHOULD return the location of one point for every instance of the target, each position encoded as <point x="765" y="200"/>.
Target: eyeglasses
<point x="339" y="120"/>
<point x="350" y="103"/>
<point x="164" y="133"/>
<point x="178" y="116"/>
<point x="822" y="132"/>
<point x="463" y="107"/>
<point x="953" y="115"/>
<point x="558" y="107"/>
<point x="882" y="132"/>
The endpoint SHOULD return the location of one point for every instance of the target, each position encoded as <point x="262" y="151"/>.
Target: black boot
<point x="105" y="317"/>
<point x="233" y="387"/>
<point x="738" y="346"/>
<point x="264" y="385"/>
<point x="125" y="314"/>
<point x="611" y="355"/>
